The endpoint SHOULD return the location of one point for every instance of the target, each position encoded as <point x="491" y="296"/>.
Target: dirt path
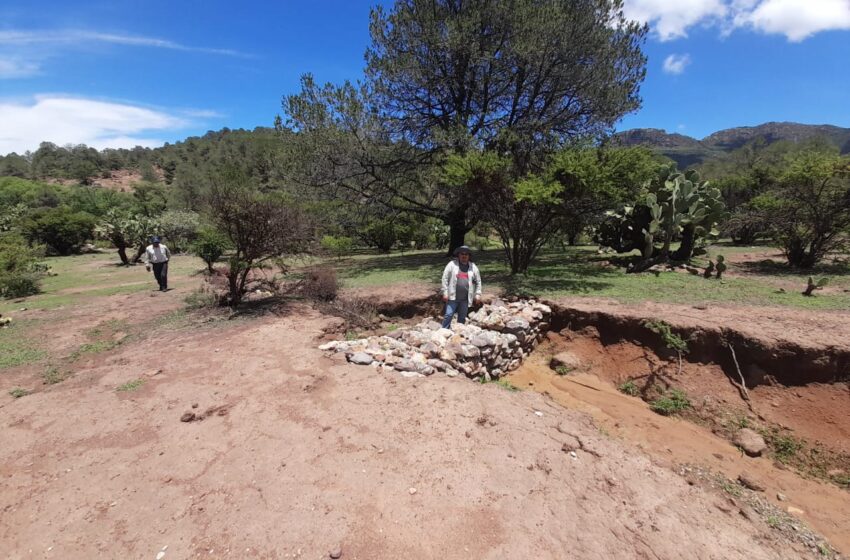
<point x="299" y="454"/>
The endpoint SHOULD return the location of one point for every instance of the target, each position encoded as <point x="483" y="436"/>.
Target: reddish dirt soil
<point x="816" y="412"/>
<point x="299" y="454"/>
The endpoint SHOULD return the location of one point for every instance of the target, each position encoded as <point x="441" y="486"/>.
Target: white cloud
<point x="796" y="19"/>
<point x="80" y="37"/>
<point x="676" y="63"/>
<point x="15" y="68"/>
<point x="671" y="19"/>
<point x="70" y="120"/>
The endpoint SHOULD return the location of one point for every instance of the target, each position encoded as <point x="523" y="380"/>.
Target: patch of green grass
<point x="785" y="447"/>
<point x="672" y="402"/>
<point x="53" y="375"/>
<point x="19" y="392"/>
<point x="773" y="521"/>
<point x="731" y="488"/>
<point x="629" y="388"/>
<point x="581" y="271"/>
<point x="352" y="335"/>
<point x="15" y="350"/>
<point x="130" y="385"/>
<point x="564" y="370"/>
<point x="504" y="384"/>
<point x="95" y="348"/>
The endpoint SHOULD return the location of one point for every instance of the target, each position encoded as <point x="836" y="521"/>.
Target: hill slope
<point x="687" y="151"/>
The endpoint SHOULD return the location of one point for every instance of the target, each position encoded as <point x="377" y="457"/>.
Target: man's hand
<point x="446" y="298"/>
<point x="477" y="300"/>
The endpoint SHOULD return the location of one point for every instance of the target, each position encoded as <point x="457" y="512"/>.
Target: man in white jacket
<point x="461" y="286"/>
<point x="157" y="256"/>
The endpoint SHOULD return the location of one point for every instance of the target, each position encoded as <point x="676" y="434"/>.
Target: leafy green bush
<point x="337" y="245"/>
<point x="180" y="228"/>
<point x="20" y="268"/>
<point x="209" y="245"/>
<point x="61" y="229"/>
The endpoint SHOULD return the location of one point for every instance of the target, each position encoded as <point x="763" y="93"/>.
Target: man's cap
<point x="463" y="249"/>
<point x="155" y="239"/>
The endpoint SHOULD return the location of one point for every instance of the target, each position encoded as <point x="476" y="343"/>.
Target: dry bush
<point x="321" y="284"/>
<point x="357" y="313"/>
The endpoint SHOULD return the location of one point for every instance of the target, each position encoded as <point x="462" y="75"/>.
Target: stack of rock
<point x="494" y="341"/>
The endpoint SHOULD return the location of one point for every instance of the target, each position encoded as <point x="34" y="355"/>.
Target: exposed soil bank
<point x="673" y="441"/>
<point x="762" y="360"/>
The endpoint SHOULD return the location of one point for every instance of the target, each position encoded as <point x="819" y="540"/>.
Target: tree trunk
<point x="139" y="252"/>
<point x="122" y="254"/>
<point x="686" y="249"/>
<point x="458" y="228"/>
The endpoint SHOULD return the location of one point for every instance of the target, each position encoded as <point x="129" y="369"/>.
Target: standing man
<point x="156" y="256"/>
<point x="461" y="286"/>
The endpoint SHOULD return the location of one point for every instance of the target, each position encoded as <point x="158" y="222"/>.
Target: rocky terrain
<point x="494" y="342"/>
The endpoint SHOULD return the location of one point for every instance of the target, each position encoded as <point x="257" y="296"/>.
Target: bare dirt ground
<point x="673" y="441"/>
<point x="291" y="455"/>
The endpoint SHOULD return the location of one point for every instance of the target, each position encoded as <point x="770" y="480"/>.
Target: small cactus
<point x="811" y="285"/>
<point x="721" y="266"/>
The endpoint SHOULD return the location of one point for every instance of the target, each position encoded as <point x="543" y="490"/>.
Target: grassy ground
<point x="77" y="279"/>
<point x="580" y="271"/>
<point x="82" y="284"/>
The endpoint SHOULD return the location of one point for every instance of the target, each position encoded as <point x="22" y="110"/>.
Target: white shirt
<point x="159" y="254"/>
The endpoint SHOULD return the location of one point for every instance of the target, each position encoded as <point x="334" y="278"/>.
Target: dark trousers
<point x="160" y="272"/>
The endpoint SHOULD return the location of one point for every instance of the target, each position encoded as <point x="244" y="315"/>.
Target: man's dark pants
<point x="160" y="272"/>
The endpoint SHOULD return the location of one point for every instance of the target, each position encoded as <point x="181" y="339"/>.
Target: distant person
<point x="461" y="286"/>
<point x="156" y="256"/>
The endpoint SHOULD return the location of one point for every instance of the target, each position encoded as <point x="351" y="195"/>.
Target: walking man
<point x="156" y="256"/>
<point x="461" y="286"/>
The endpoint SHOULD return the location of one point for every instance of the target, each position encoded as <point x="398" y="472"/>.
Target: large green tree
<point x="520" y="78"/>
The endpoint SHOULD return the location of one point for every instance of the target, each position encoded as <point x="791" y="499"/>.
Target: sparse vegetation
<point x="52" y="375"/>
<point x="671" y="402"/>
<point x="130" y="385"/>
<point x="629" y="388"/>
<point x="18" y="392"/>
<point x="563" y="370"/>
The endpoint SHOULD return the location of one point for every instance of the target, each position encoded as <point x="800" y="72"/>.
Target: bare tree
<point x="259" y="226"/>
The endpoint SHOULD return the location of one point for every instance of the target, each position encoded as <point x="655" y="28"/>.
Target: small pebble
<point x="412" y="491"/>
<point x="336" y="553"/>
<point x="538" y="413"/>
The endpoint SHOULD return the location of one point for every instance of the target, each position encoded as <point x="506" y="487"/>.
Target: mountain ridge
<point x="687" y="151"/>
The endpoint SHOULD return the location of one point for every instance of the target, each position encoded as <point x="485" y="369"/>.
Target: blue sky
<point x="120" y="73"/>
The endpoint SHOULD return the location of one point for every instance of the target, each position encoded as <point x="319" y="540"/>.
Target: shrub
<point x="337" y="246"/>
<point x="259" y="226"/>
<point x="20" y="269"/>
<point x="321" y="284"/>
<point x="629" y="388"/>
<point x="61" y="229"/>
<point x="209" y="246"/>
<point x="810" y="212"/>
<point x="180" y="228"/>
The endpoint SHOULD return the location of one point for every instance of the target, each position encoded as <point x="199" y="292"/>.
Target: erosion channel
<point x="689" y="405"/>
